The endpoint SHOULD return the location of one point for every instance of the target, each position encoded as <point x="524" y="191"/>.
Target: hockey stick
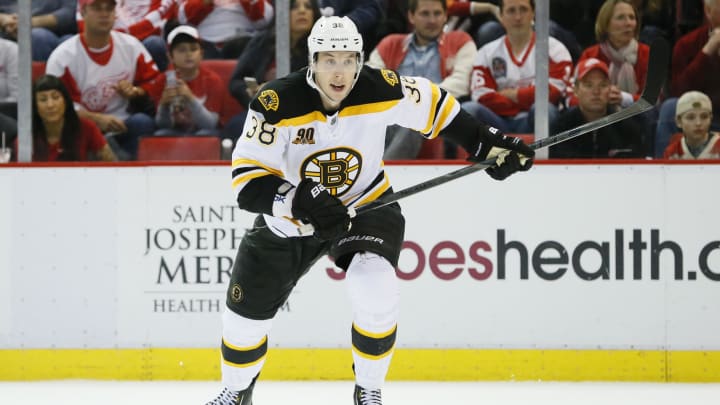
<point x="657" y="71"/>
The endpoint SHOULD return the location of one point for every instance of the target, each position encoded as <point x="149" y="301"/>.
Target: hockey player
<point x="311" y="147"/>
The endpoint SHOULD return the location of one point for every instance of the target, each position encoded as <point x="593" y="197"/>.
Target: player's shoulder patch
<point x="269" y="99"/>
<point x="376" y="85"/>
<point x="390" y="76"/>
<point x="284" y="98"/>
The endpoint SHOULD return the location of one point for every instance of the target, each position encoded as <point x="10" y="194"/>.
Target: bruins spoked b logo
<point x="236" y="293"/>
<point x="336" y="169"/>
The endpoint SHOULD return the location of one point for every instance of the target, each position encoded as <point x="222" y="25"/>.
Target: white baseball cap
<point x="690" y="100"/>
<point x="182" y="29"/>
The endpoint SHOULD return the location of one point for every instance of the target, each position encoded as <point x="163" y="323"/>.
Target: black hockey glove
<point x="512" y="154"/>
<point x="326" y="213"/>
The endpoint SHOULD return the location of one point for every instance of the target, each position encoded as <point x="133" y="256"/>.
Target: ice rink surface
<point x="340" y="393"/>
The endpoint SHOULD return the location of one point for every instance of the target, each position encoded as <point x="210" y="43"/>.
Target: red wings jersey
<point x="496" y="68"/>
<point x="287" y="133"/>
<point x="678" y="149"/>
<point x="221" y="20"/>
<point x="139" y="18"/>
<point x="91" y="76"/>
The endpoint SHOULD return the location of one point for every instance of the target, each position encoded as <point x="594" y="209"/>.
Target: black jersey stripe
<point x="376" y="181"/>
<point x="373" y="345"/>
<point x="443" y="118"/>
<point x="243" y="356"/>
<point x="436" y="113"/>
<point x="241" y="170"/>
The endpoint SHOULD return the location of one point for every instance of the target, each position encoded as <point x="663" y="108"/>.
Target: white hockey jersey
<point x="287" y="134"/>
<point x="91" y="76"/>
<point x="496" y="68"/>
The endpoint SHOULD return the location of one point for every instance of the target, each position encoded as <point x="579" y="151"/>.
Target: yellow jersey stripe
<point x="377" y="192"/>
<point x="446" y="110"/>
<point x="374" y="335"/>
<point x="302" y="120"/>
<point x="251" y="162"/>
<point x="253" y="175"/>
<point x="368" y="108"/>
<point x="433" y="105"/>
<point x="245" y="349"/>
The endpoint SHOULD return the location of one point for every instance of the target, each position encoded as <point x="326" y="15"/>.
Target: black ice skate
<point x="363" y="396"/>
<point x="227" y="397"/>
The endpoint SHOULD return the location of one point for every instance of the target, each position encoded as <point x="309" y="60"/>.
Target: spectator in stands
<point x="485" y="26"/>
<point x="143" y="19"/>
<point x="443" y="57"/>
<point x="616" y="30"/>
<point x="366" y="14"/>
<point x="695" y="66"/>
<point x="503" y="78"/>
<point x="8" y="71"/>
<point x="258" y="58"/>
<point x="657" y="19"/>
<point x="592" y="89"/>
<point x="485" y="30"/>
<point x="225" y="26"/>
<point x="52" y="22"/>
<point x="192" y="95"/>
<point x="110" y="76"/>
<point x="395" y="20"/>
<point x="693" y="115"/>
<point x="257" y="62"/>
<point x="59" y="134"/>
<point x="689" y="15"/>
<point x="8" y="89"/>
<point x="578" y="18"/>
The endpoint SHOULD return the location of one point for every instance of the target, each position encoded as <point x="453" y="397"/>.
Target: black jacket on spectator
<point x="623" y="139"/>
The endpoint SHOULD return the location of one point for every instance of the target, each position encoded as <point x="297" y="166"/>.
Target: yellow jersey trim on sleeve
<point x="433" y="106"/>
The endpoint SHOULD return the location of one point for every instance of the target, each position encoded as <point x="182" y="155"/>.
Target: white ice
<point x="340" y="393"/>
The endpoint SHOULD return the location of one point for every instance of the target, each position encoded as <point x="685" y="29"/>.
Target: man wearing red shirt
<point x="110" y="76"/>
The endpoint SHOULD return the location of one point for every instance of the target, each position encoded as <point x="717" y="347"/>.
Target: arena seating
<point x="180" y="148"/>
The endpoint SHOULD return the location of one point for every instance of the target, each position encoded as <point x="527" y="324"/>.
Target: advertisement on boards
<point x="586" y="256"/>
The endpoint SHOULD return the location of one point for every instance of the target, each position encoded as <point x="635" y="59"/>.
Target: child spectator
<point x="59" y="134"/>
<point x="192" y="95"/>
<point x="695" y="66"/>
<point x="693" y="115"/>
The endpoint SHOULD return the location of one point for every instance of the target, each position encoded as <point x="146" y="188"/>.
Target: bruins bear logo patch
<point x="390" y="77"/>
<point x="269" y="99"/>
